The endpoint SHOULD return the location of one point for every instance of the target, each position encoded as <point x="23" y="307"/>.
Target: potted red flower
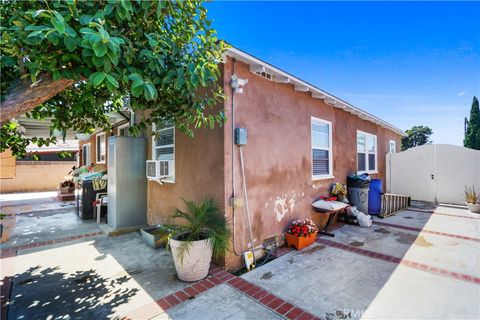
<point x="301" y="233"/>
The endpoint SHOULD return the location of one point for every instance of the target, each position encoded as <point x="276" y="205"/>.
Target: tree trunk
<point x="25" y="96"/>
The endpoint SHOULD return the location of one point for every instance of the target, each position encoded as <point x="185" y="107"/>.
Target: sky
<point x="409" y="63"/>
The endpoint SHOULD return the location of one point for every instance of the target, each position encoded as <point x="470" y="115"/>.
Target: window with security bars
<point x="322" y="164"/>
<point x="366" y="152"/>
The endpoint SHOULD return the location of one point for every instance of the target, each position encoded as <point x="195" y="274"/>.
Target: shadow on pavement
<point x="47" y="293"/>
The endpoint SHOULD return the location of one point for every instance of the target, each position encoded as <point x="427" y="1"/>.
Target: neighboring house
<point x="300" y="140"/>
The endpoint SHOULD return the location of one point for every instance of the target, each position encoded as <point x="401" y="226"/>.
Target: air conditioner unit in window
<point x="158" y="169"/>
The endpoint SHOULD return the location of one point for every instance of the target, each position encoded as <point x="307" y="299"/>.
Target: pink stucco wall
<point x="277" y="159"/>
<point x="278" y="154"/>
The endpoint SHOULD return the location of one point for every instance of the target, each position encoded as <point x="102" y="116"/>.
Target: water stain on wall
<point x="285" y="204"/>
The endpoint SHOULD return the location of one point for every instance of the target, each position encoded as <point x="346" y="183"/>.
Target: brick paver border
<point x="269" y="300"/>
<point x="404" y="262"/>
<point x="441" y="213"/>
<point x="456" y="215"/>
<point x="451" y="235"/>
<point x="218" y="276"/>
<point x="12" y="250"/>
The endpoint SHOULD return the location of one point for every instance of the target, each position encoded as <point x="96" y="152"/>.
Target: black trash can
<point x="358" y="192"/>
<point x="356" y="182"/>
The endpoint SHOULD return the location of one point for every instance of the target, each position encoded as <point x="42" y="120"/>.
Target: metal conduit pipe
<point x="247" y="210"/>
<point x="233" y="163"/>
<point x="236" y="87"/>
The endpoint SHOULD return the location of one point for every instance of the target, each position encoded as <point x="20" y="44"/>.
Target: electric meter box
<point x="241" y="136"/>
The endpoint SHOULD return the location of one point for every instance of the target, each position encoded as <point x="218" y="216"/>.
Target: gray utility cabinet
<point x="127" y="183"/>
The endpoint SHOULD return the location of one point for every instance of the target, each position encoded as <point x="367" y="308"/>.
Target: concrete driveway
<point x="416" y="264"/>
<point x="384" y="272"/>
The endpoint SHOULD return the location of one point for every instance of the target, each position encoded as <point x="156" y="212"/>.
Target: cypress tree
<point x="472" y="134"/>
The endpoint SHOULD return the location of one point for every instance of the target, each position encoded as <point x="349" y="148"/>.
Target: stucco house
<point x="300" y="140"/>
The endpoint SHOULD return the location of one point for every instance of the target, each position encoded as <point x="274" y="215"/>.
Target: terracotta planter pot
<point x="300" y="242"/>
<point x="196" y="263"/>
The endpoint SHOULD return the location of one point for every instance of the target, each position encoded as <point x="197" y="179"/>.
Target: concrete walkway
<point x="385" y="272"/>
<point x="58" y="266"/>
<point x="413" y="265"/>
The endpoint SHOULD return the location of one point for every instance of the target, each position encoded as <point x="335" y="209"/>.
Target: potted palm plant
<point x="204" y="234"/>
<point x="471" y="199"/>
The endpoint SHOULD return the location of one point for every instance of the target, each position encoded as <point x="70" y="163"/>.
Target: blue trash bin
<point x="375" y="197"/>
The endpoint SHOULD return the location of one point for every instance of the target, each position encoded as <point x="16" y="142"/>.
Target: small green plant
<point x="202" y="221"/>
<point x="470" y="195"/>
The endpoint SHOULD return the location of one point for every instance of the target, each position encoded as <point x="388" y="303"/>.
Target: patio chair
<point x="101" y="200"/>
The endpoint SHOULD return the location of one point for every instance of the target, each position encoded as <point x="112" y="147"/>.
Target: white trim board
<point x="317" y="93"/>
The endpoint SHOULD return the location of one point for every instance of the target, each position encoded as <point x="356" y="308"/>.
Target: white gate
<point x="434" y="172"/>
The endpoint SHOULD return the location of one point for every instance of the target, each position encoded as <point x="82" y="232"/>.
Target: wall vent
<point x="265" y="75"/>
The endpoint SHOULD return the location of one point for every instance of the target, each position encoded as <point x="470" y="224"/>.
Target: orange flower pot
<point x="300" y="242"/>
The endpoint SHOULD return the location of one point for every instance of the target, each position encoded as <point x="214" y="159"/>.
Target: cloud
<point x="461" y="94"/>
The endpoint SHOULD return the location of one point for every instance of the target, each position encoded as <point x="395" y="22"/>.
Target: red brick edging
<point x="451" y="235"/>
<point x="407" y="263"/>
<point x="9" y="252"/>
<point x="218" y="276"/>
<point x="442" y="213"/>
<point x="269" y="300"/>
<point x="455" y="215"/>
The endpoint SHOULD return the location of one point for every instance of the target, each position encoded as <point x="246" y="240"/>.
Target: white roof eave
<point x="257" y="65"/>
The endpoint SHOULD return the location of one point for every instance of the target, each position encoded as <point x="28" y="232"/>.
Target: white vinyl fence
<point x="434" y="172"/>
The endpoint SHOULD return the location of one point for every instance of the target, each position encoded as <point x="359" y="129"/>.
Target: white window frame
<point x="154" y="148"/>
<point x="97" y="148"/>
<point x="329" y="149"/>
<point x="367" y="162"/>
<point x="123" y="126"/>
<point x="390" y="144"/>
<point x="84" y="159"/>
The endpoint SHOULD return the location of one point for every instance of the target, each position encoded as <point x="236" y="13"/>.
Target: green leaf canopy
<point x="160" y="56"/>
